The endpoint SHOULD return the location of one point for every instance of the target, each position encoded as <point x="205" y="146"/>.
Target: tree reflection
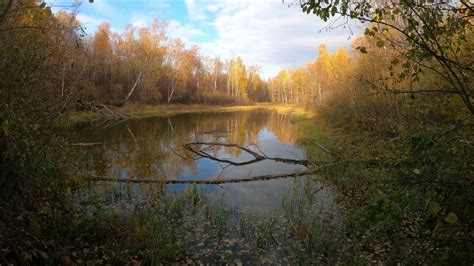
<point x="151" y="147"/>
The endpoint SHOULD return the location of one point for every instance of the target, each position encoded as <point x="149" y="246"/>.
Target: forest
<point x="132" y="147"/>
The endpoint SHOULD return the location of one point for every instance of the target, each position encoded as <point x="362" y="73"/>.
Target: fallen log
<point x="201" y="181"/>
<point x="212" y="181"/>
<point x="87" y="144"/>
<point x="107" y="111"/>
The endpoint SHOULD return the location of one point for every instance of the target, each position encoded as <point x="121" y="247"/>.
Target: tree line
<point x="143" y="64"/>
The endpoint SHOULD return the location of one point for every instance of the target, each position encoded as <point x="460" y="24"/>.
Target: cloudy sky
<point x="268" y="33"/>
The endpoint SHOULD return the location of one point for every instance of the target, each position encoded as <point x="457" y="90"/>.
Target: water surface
<point x="152" y="148"/>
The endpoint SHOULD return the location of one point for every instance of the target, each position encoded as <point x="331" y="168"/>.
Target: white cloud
<point x="196" y="10"/>
<point x="140" y="21"/>
<point x="267" y="33"/>
<point x="89" y="22"/>
<point x="176" y="29"/>
<point x="184" y="32"/>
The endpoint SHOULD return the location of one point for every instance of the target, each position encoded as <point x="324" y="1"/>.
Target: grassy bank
<point x="141" y="110"/>
<point x="406" y="197"/>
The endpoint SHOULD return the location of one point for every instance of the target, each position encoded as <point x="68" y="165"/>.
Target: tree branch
<point x="212" y="181"/>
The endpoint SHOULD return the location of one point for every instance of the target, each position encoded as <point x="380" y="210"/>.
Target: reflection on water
<point x="152" y="148"/>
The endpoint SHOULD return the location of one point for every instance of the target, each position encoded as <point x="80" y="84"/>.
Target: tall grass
<point x="192" y="227"/>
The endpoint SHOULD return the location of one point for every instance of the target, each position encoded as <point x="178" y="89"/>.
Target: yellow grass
<point x="140" y="110"/>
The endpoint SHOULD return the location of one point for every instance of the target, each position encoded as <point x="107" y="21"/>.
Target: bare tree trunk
<point x="228" y="85"/>
<point x="320" y="93"/>
<point x="133" y="88"/>
<point x="215" y="84"/>
<point x="171" y="90"/>
<point x="62" y="82"/>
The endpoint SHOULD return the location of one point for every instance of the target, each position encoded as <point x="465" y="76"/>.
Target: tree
<point x="36" y="44"/>
<point x="217" y="69"/>
<point x="324" y="71"/>
<point x="340" y="63"/>
<point x="102" y="58"/>
<point x="433" y="36"/>
<point x="256" y="90"/>
<point x="151" y="52"/>
<point x="183" y="69"/>
<point x="279" y="87"/>
<point x="173" y="61"/>
<point x="38" y="76"/>
<point x="237" y="78"/>
<point x="74" y="61"/>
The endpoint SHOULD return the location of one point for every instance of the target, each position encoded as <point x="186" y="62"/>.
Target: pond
<point x="154" y="148"/>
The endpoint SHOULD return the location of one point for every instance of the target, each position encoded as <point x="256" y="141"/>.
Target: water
<point x="152" y="148"/>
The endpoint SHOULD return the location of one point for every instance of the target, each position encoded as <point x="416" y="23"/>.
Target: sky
<point x="268" y="33"/>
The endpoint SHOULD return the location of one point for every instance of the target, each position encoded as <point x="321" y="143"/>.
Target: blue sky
<point x="263" y="32"/>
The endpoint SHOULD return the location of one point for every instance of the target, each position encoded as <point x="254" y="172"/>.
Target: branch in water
<point x="258" y="157"/>
<point x="213" y="181"/>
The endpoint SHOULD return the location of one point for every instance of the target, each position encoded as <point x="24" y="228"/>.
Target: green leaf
<point x="434" y="208"/>
<point x="380" y="43"/>
<point x="333" y="10"/>
<point x="452" y="218"/>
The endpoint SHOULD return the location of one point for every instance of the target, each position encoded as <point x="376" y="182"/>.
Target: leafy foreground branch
<point x="412" y="201"/>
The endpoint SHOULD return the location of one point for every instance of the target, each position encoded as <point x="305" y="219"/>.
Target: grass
<point x="192" y="228"/>
<point x="402" y="197"/>
<point x="386" y="216"/>
<point x="140" y="110"/>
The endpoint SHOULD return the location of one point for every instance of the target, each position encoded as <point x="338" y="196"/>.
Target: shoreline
<point x="140" y="111"/>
